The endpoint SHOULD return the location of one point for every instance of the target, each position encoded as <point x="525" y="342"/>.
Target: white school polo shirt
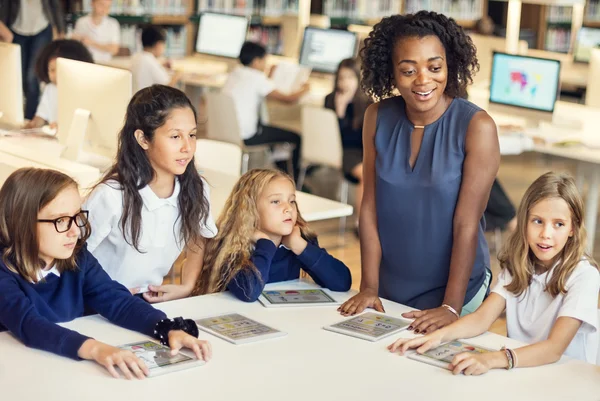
<point x="160" y="238"/>
<point x="48" y="106"/>
<point x="530" y="317"/>
<point x="31" y="19"/>
<point x="248" y="88"/>
<point x="106" y="33"/>
<point x="146" y="71"/>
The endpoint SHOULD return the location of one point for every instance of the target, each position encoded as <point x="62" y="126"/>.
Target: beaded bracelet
<point x="515" y="359"/>
<point x="163" y="327"/>
<point x="509" y="357"/>
<point x="451" y="309"/>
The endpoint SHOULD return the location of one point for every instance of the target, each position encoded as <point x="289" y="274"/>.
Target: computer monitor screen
<point x="92" y="101"/>
<point x="323" y="49"/>
<point x="221" y="34"/>
<point x="523" y="81"/>
<point x="587" y="39"/>
<point x="11" y="86"/>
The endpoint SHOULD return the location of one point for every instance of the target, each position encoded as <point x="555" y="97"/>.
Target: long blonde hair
<point x="230" y="251"/>
<point x="516" y="256"/>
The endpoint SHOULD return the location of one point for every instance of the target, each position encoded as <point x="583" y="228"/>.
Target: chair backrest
<point x="221" y="119"/>
<point x="320" y="21"/>
<point x="592" y="93"/>
<point x="219" y="156"/>
<point x="321" y="139"/>
<point x="486" y="45"/>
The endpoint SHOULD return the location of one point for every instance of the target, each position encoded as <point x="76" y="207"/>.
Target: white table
<point x="307" y="364"/>
<point x="311" y="207"/>
<point x="588" y="159"/>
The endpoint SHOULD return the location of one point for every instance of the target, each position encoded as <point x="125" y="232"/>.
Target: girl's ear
<point x="141" y="139"/>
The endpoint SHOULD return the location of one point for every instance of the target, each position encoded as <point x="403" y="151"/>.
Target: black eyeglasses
<point x="63" y="224"/>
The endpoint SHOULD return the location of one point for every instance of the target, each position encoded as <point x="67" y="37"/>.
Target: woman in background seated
<point x="349" y="104"/>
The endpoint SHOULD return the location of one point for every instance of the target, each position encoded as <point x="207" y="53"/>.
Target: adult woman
<point x="430" y="158"/>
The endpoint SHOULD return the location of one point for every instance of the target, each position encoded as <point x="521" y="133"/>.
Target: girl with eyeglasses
<point x="47" y="276"/>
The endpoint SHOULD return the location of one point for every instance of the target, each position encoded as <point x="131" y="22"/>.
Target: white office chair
<point x="222" y="125"/>
<point x="322" y="146"/>
<point x="592" y="93"/>
<point x="219" y="156"/>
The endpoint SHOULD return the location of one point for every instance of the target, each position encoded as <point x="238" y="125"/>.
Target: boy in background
<point x="248" y="85"/>
<point x="146" y="70"/>
<point x="100" y="33"/>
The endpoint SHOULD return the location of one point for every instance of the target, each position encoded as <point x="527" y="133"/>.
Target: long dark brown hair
<point x="360" y="100"/>
<point x="23" y="195"/>
<point x="148" y="110"/>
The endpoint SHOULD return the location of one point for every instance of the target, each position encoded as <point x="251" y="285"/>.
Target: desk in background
<point x="584" y="120"/>
<point x="311" y="207"/>
<point x="307" y="364"/>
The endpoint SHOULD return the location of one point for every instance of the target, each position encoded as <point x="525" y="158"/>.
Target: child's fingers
<point x="472" y="369"/>
<point x="133" y="364"/>
<point x="206" y="350"/>
<point x="428" y="344"/>
<point x="175" y="346"/>
<point x="124" y="369"/>
<point x="195" y="347"/>
<point x="464" y="364"/>
<point x="397" y="344"/>
<point x="108" y="364"/>
<point x="153" y="297"/>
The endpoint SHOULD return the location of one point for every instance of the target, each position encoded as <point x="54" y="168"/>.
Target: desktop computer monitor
<point x="323" y="49"/>
<point x="11" y="86"/>
<point x="587" y="39"/>
<point x="528" y="83"/>
<point x="221" y="34"/>
<point x="92" y="101"/>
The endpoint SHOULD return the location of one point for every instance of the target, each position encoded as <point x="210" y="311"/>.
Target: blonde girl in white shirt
<point x="152" y="204"/>
<point x="548" y="286"/>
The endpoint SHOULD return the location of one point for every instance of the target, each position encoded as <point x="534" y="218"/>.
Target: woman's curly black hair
<point x="377" y="67"/>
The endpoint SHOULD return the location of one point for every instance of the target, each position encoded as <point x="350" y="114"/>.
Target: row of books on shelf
<point x="250" y="7"/>
<point x="361" y="8"/>
<point x="268" y="36"/>
<point x="140" y="7"/>
<point x="593" y="11"/>
<point x="559" y="14"/>
<point x="457" y="9"/>
<point x="558" y="40"/>
<point x="131" y="37"/>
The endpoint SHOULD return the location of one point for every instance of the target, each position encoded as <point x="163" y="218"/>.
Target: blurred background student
<point x="32" y="24"/>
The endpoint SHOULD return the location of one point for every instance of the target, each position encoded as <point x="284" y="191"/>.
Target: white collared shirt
<point x="160" y="237"/>
<point x="531" y="316"/>
<point x="48" y="106"/>
<point x="146" y="71"/>
<point x="108" y="32"/>
<point x="248" y="88"/>
<point x="42" y="274"/>
<point x="31" y="19"/>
